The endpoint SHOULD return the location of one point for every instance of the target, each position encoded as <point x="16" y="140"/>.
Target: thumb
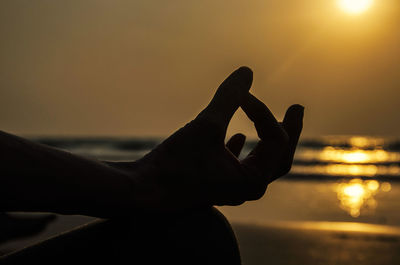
<point x="236" y="143"/>
<point x="228" y="97"/>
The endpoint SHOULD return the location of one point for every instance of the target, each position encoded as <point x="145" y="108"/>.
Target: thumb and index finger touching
<point x="274" y="154"/>
<point x="234" y="93"/>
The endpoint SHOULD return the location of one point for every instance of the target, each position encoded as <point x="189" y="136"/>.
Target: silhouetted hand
<point x="193" y="167"/>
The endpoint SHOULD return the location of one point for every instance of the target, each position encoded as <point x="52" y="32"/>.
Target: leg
<point x="201" y="236"/>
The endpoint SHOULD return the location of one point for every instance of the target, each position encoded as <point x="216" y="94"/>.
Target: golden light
<point x="372" y="185"/>
<point x="338" y="155"/>
<point x="340" y="227"/>
<point x="355" y="6"/>
<point x="347" y="170"/>
<point x="357" y="194"/>
<point x="386" y="187"/>
<point x="355" y="157"/>
<point x="360" y="142"/>
<point x="354" y="191"/>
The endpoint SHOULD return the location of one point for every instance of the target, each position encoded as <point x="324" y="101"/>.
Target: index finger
<point x="266" y="125"/>
<point x="228" y="97"/>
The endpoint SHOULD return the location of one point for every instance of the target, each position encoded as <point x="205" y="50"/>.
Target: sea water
<point x="338" y="205"/>
<point x="333" y="178"/>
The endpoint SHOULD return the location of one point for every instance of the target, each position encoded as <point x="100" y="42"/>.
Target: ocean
<point x="340" y="178"/>
<point x="319" y="158"/>
<point x="338" y="185"/>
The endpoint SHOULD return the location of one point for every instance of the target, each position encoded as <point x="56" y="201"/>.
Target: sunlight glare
<point x="355" y="190"/>
<point x="355" y="6"/>
<point x="357" y="194"/>
<point x="356" y="155"/>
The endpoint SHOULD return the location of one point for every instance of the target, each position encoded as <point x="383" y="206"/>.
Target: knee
<point x="201" y="236"/>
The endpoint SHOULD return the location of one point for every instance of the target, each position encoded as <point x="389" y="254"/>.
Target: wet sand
<point x="287" y="243"/>
<point x="297" y="222"/>
<point x="286" y="246"/>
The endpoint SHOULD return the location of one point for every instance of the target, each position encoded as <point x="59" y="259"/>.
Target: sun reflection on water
<point x="348" y="170"/>
<point x="356" y="195"/>
<point x="353" y="155"/>
<point x="362" y="160"/>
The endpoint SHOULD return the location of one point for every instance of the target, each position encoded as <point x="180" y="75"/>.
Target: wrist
<point x="145" y="189"/>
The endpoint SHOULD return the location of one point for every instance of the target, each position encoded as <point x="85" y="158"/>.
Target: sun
<point x="355" y="6"/>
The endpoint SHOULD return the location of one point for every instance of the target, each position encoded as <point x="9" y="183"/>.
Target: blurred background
<point x="111" y="79"/>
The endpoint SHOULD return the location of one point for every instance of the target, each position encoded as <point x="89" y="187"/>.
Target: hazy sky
<point x="138" y="68"/>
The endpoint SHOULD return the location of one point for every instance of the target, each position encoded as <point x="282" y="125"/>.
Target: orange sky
<point x="139" y="68"/>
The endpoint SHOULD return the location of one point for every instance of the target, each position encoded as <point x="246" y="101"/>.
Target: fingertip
<point x="246" y="73"/>
<point x="245" y="68"/>
<point x="235" y="143"/>
<point x="296" y="107"/>
<point x="228" y="97"/>
<point x="241" y="78"/>
<point x="240" y="136"/>
<point x="293" y="120"/>
<point x="295" y="111"/>
<point x="237" y="139"/>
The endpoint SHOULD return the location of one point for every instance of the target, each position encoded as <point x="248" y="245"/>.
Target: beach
<point x="298" y="245"/>
<point x="309" y="218"/>
<point x="302" y="222"/>
<point x="296" y="222"/>
<point x="111" y="80"/>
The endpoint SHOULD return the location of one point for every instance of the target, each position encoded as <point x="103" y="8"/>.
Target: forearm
<point x="35" y="177"/>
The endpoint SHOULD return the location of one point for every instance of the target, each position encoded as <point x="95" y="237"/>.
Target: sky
<point x="145" y="68"/>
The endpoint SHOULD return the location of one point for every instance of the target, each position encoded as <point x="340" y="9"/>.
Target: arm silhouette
<point x="191" y="168"/>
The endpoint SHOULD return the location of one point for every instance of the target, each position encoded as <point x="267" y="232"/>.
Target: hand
<point x="193" y="167"/>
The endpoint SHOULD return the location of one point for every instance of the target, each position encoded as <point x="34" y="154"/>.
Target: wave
<point x="332" y="177"/>
<point x="351" y="142"/>
<point x="324" y="157"/>
<point x="110" y="143"/>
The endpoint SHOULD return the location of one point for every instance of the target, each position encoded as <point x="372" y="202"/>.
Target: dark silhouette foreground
<point x="201" y="236"/>
<point x="192" y="169"/>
